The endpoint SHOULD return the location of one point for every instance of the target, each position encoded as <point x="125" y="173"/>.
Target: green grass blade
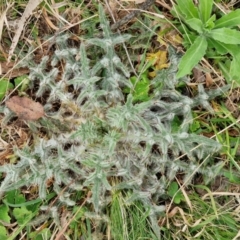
<point x="205" y="9"/>
<point x="211" y="197"/>
<point x="225" y="35"/>
<point x="193" y="55"/>
<point x="229" y="20"/>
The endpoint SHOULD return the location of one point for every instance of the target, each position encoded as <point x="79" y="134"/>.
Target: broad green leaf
<point x="3" y="233"/>
<point x="210" y="24"/>
<point x="173" y="192"/>
<point x="172" y="189"/>
<point x="4" y="213"/>
<point x="15" y="197"/>
<point x="221" y="48"/>
<point x="195" y="126"/>
<point x="229" y="20"/>
<point x="205" y="9"/>
<point x="19" y="199"/>
<point x="225" y="35"/>
<point x="22" y="82"/>
<point x="192" y="56"/>
<point x="22" y="215"/>
<point x="5" y="85"/>
<point x="140" y="89"/>
<point x="232" y="49"/>
<point x="10" y="196"/>
<point x="196" y="24"/>
<point x="187" y="9"/>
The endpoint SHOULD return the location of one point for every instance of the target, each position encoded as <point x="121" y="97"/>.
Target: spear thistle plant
<point x="108" y="135"/>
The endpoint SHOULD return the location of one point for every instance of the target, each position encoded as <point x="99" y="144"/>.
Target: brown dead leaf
<point x="159" y="60"/>
<point x="232" y="102"/>
<point x="8" y="70"/>
<point x="48" y="20"/>
<point x="198" y="75"/>
<point x="182" y="213"/>
<point x="209" y="80"/>
<point x="25" y="108"/>
<point x="169" y="35"/>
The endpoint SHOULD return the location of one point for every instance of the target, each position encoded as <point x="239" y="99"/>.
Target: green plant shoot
<point x="204" y="33"/>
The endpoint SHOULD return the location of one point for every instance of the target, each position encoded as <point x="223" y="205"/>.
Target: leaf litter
<point x="25" y="108"/>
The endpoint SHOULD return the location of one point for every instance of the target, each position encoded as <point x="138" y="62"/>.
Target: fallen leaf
<point x="48" y="21"/>
<point x="25" y="108"/>
<point x="209" y="80"/>
<point x="168" y="35"/>
<point x="198" y="75"/>
<point x="9" y="70"/>
<point x="159" y="60"/>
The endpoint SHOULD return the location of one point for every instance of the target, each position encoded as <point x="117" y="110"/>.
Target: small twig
<point x="5" y="224"/>
<point x="164" y="5"/>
